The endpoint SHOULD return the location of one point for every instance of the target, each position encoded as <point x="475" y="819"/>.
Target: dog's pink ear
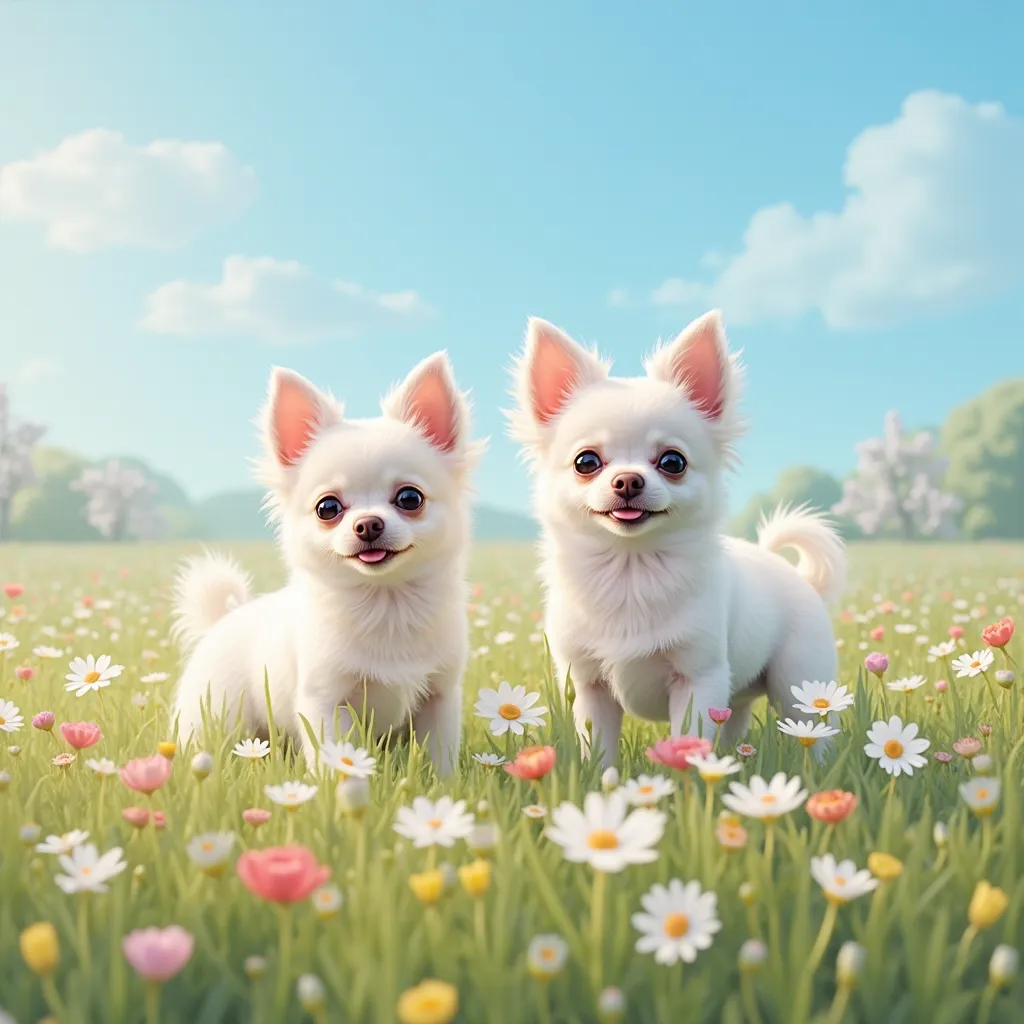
<point x="698" y="362"/>
<point x="553" y="366"/>
<point x="430" y="400"/>
<point x="296" y="412"/>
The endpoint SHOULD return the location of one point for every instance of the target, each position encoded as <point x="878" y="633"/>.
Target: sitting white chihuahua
<point x="648" y="607"/>
<point x="373" y="521"/>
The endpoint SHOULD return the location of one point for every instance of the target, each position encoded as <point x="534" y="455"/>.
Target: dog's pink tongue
<point x="627" y="515"/>
<point x="372" y="556"/>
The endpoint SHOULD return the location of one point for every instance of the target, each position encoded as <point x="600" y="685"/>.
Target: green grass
<point x="383" y="941"/>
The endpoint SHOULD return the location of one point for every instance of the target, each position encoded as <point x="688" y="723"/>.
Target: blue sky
<point x="465" y="165"/>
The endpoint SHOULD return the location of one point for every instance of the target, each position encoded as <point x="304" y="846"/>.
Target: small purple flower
<point x="942" y="757"/>
<point x="877" y="663"/>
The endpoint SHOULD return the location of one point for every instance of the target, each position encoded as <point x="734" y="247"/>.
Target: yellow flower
<point x="988" y="904"/>
<point x="428" y="886"/>
<point x="884" y="866"/>
<point x="429" y="1002"/>
<point x="40" y="948"/>
<point x="167" y="749"/>
<point x="476" y="877"/>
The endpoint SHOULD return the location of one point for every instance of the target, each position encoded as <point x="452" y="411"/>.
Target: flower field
<point x="143" y="881"/>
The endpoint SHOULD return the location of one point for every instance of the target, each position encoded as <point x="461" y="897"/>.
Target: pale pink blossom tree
<point x="17" y="440"/>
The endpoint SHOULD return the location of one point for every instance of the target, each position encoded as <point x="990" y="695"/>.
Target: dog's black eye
<point x="409" y="499"/>
<point x="587" y="463"/>
<point x="672" y="463"/>
<point x="328" y="509"/>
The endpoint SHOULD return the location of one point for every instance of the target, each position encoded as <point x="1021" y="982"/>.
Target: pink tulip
<point x="13" y="590"/>
<point x="44" y="720"/>
<point x="677" y="751"/>
<point x="532" y="763"/>
<point x="137" y="817"/>
<point x="25" y="673"/>
<point x="255" y="816"/>
<point x="158" y="954"/>
<point x="877" y="663"/>
<point x="941" y="685"/>
<point x="147" y="774"/>
<point x="719" y="715"/>
<point x="281" y="874"/>
<point x="956" y="632"/>
<point x="81" y="735"/>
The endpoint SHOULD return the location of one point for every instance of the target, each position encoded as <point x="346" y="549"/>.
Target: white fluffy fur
<point x="667" y="616"/>
<point x="390" y="640"/>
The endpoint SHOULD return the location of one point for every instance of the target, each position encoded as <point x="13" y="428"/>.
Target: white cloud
<point x="40" y="369"/>
<point x="933" y="220"/>
<point x="277" y="301"/>
<point x="96" y="190"/>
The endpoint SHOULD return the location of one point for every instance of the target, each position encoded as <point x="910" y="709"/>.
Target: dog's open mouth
<point x="376" y="556"/>
<point x="629" y="515"/>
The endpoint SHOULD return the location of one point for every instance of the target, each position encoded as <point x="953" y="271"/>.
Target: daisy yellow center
<point x="91" y="677"/>
<point x="645" y="790"/>
<point x="982" y="794"/>
<point x="820" y="702"/>
<point x="603" y="839"/>
<point x="807" y="741"/>
<point x="769" y="798"/>
<point x="3" y="721"/>
<point x="86" y="871"/>
<point x="840" y="881"/>
<point x="348" y="761"/>
<point x="547" y="953"/>
<point x="207" y="847"/>
<point x="435" y="823"/>
<point x="975" y="664"/>
<point x="893" y="749"/>
<point x="676" y="925"/>
<point x="510" y="712"/>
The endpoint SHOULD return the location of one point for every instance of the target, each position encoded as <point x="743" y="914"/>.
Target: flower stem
<point x="826" y="838"/>
<point x="828" y="924"/>
<point x="837" y="1010"/>
<point x="284" y="955"/>
<point x="52" y="997"/>
<point x="480" y="924"/>
<point x="597" y="928"/>
<point x="290" y="833"/>
<point x="84" y="949"/>
<point x="963" y="948"/>
<point x="769" y="845"/>
<point x="985" y="1006"/>
<point x="749" y="997"/>
<point x="152" y="1004"/>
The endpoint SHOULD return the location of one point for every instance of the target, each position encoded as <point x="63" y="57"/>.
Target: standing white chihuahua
<point x="373" y="520"/>
<point x="649" y="607"/>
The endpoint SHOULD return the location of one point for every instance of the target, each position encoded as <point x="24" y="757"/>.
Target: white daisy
<point x="712" y="768"/>
<point x="971" y="665"/>
<point x="290" y="794"/>
<point x="62" y="844"/>
<point x="815" y="698"/>
<point x="765" y="800"/>
<point x="91" y="674"/>
<point x="841" y="882"/>
<point x="679" y="921"/>
<point x="11" y="719"/>
<point x="509" y="708"/>
<point x="807" y="733"/>
<point x="252" y="750"/>
<point x="504" y="637"/>
<point x="86" y="871"/>
<point x="8" y="642"/>
<point x="907" y="685"/>
<point x="210" y="851"/>
<point x="905" y="628"/>
<point x="102" y="766"/>
<point x="139" y="701"/>
<point x="943" y="650"/>
<point x="426" y="823"/>
<point x="154" y="677"/>
<point x="346" y="759"/>
<point x="546" y="956"/>
<point x="491" y="760"/>
<point x="535" y="811"/>
<point x="601" y="834"/>
<point x="326" y="901"/>
<point x="981" y="794"/>
<point x="647" y="790"/>
<point x="896" y="746"/>
<point x="48" y="653"/>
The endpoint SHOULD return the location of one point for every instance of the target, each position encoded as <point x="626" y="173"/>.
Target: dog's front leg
<point x="438" y="721"/>
<point x="697" y="692"/>
<point x="595" y="704"/>
<point x="319" y="696"/>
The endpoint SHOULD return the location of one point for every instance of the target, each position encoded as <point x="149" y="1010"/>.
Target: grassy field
<point x="399" y="914"/>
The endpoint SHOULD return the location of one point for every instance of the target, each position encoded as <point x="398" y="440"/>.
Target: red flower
<point x="13" y="590"/>
<point x="532" y="763"/>
<point x="81" y="735"/>
<point x="999" y="633"/>
<point x="137" y="817"/>
<point x="282" y="874"/>
<point x="831" y="805"/>
<point x="677" y="751"/>
<point x="146" y="774"/>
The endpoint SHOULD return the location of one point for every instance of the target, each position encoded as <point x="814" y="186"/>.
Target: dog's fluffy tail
<point x="822" y="553"/>
<point x="207" y="588"/>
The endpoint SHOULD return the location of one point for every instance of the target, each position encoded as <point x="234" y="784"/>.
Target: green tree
<point x="797" y="485"/>
<point x="984" y="442"/>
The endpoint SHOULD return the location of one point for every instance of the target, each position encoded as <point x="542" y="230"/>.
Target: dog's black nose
<point x="368" y="528"/>
<point x="627" y="485"/>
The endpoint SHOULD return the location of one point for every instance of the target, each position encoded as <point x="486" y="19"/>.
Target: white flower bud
<point x="1002" y="968"/>
<point x="610" y="780"/>
<point x="850" y="964"/>
<point x="202" y="765"/>
<point x="311" y="993"/>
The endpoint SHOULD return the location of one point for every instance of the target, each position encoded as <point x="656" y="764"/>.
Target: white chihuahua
<point x="373" y="520"/>
<point x="649" y="608"/>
